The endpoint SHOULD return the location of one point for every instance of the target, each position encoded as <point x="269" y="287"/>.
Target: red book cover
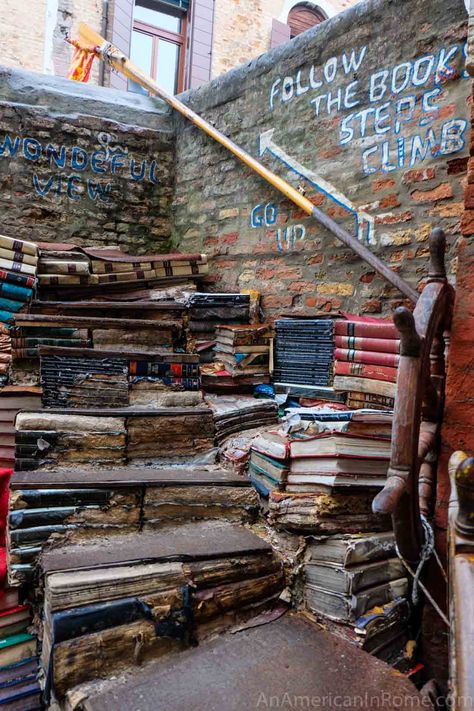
<point x="363" y="370"/>
<point x="371" y="357"/>
<point x="366" y="330"/>
<point x="12" y="611"/>
<point x="381" y="345"/>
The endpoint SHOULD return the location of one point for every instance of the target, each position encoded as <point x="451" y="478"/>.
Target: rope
<point x="427" y="551"/>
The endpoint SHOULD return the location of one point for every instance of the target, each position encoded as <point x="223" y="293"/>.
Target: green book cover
<point x="15" y="639"/>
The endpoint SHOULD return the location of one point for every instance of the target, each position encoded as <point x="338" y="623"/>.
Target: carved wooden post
<point x="461" y="580"/>
<point x="400" y="495"/>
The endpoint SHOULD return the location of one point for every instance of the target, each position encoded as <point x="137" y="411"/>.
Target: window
<point x="157" y="45"/>
<point x="302" y="17"/>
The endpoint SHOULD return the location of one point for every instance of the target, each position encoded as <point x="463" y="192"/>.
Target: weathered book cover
<point x="17" y="278"/>
<point x="365" y="385"/>
<point x="370" y="357"/>
<point x="17" y="256"/>
<point x="352" y="549"/>
<point x="13" y="291"/>
<point x="384" y="345"/>
<point x="365" y="330"/>
<point x="17" y="266"/>
<point x="365" y="370"/>
<point x="349" y="581"/>
<point x="55" y="266"/>
<point x="18" y="245"/>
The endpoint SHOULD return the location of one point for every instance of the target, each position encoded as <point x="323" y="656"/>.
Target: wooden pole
<point x="91" y="39"/>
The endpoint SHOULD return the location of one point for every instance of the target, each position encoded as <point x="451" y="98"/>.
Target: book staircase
<point x="130" y="543"/>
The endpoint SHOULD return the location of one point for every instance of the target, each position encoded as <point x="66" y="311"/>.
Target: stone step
<point x="124" y="600"/>
<point x="86" y="503"/>
<point x="288" y="663"/>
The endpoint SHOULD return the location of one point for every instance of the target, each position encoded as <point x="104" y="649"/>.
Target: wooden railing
<point x="424" y="336"/>
<point x="461" y="581"/>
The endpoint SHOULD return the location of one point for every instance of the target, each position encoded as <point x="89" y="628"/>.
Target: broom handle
<point x="123" y="65"/>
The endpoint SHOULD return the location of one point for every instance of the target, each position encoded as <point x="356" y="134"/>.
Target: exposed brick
<point x="457" y="166"/>
<point x="229" y="237"/>
<point x="315" y="259"/>
<point x="372" y="306"/>
<point x="335" y="288"/>
<point x="441" y="192"/>
<point x="367" y="277"/>
<point x="418" y="176"/>
<point x="384" y="184"/>
<point x="469" y="197"/>
<point x="390" y="218"/>
<point x="228" y="212"/>
<point x="387" y="239"/>
<point x="450" y="209"/>
<point x="467" y="223"/>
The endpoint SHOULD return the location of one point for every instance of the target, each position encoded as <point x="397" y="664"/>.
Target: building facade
<point x="181" y="43"/>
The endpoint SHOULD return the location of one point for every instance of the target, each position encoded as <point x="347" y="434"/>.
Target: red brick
<point x="397" y="256"/>
<point x="330" y="153"/>
<point x="469" y="197"/>
<point x="418" y="176"/>
<point x="229" y="237"/>
<point x="372" y="306"/>
<point x="367" y="278"/>
<point x="390" y="201"/>
<point x="467" y="223"/>
<point x="315" y="259"/>
<point x="441" y="192"/>
<point x="470" y="170"/>
<point x="277" y="301"/>
<point x="457" y="166"/>
<point x="318" y="199"/>
<point x="382" y="184"/>
<point x="391" y="218"/>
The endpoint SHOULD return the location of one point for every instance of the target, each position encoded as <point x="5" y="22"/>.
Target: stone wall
<point x="84" y="164"/>
<point x="369" y="120"/>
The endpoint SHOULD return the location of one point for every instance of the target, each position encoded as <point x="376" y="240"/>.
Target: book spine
<point x="16" y="256"/>
<point x="18" y="245"/>
<point x="19" y="293"/>
<point x="363" y="370"/>
<point x="370" y="399"/>
<point x="16" y="278"/>
<point x="17" y="266"/>
<point x="9" y="305"/>
<point x="365" y="330"/>
<point x="380" y="345"/>
<point x="63" y="342"/>
<point x="369" y="357"/>
<point x="51" y="332"/>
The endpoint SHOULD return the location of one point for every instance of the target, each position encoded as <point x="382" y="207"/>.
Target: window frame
<point x="157" y="33"/>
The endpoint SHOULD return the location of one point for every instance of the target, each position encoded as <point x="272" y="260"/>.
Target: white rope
<point x="427" y="551"/>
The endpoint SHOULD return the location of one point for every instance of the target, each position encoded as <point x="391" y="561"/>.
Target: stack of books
<point x="113" y="437"/>
<point x="113" y="603"/>
<point x="19" y="686"/>
<point x="243" y="351"/>
<point x="5" y="353"/>
<point x="366" y="362"/>
<point x="324" y="477"/>
<point x="47" y="438"/>
<point x="18" y="265"/>
<point x="346" y="577"/>
<point x="12" y="399"/>
<point x="81" y="378"/>
<point x="79" y="505"/>
<point x="205" y="312"/>
<point x="28" y="334"/>
<point x="303" y="352"/>
<point x="67" y="267"/>
<point x="237" y="413"/>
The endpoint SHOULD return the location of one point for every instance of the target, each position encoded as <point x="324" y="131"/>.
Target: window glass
<point x="157" y="19"/>
<point x="141" y="50"/>
<point x="167" y="65"/>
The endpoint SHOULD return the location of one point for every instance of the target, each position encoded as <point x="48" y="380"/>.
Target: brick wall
<point x="397" y="152"/>
<point x="84" y="164"/>
<point x="243" y="28"/>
